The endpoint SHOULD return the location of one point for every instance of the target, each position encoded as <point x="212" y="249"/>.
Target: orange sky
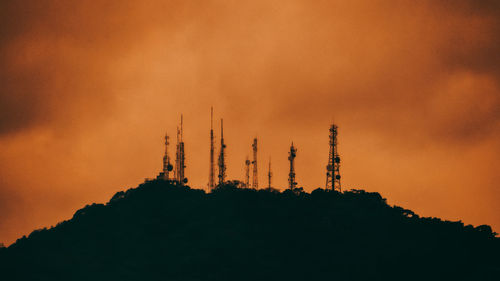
<point x="87" y="91"/>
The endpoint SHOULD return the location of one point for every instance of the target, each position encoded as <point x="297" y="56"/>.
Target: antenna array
<point x="211" y="177"/>
<point x="255" y="176"/>
<point x="167" y="167"/>
<point x="333" y="167"/>
<point x="222" y="163"/>
<point x="291" y="176"/>
<point x="247" y="173"/>
<point x="180" y="156"/>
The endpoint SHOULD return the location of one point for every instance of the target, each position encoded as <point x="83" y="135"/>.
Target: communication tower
<point x="211" y="177"/>
<point x="269" y="175"/>
<point x="177" y="155"/>
<point x="167" y="167"/>
<point x="255" y="176"/>
<point x="333" y="167"/>
<point x="180" y="157"/>
<point x="291" y="176"/>
<point x="247" y="173"/>
<point x="222" y="163"/>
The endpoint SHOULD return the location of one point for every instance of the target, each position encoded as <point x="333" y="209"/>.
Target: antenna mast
<point x="247" y="172"/>
<point x="291" y="176"/>
<point x="333" y="167"/>
<point x="183" y="157"/>
<point x="180" y="157"/>
<point x="255" y="177"/>
<point x="166" y="160"/>
<point x="177" y="156"/>
<point x="269" y="174"/>
<point x="211" y="179"/>
<point x="222" y="164"/>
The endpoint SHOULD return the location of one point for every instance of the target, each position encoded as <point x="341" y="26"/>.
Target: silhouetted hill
<point x="160" y="231"/>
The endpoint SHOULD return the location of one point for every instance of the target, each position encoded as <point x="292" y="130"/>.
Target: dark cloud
<point x="54" y="57"/>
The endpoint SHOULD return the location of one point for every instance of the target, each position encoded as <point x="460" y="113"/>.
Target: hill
<point x="163" y="231"/>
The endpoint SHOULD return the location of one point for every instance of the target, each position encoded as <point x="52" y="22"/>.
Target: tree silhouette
<point x="167" y="231"/>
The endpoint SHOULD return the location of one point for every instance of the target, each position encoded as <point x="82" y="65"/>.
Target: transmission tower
<point x="211" y="177"/>
<point x="247" y="172"/>
<point x="177" y="155"/>
<point x="222" y="163"/>
<point x="333" y="167"/>
<point x="180" y="157"/>
<point x="167" y="167"/>
<point x="269" y="175"/>
<point x="255" y="176"/>
<point x="291" y="176"/>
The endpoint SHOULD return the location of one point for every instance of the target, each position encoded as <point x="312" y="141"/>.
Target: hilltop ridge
<point x="165" y="231"/>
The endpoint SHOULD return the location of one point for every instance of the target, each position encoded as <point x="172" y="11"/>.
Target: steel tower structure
<point x="255" y="176"/>
<point x="180" y="157"/>
<point x="167" y="167"/>
<point x="333" y="167"/>
<point x="247" y="173"/>
<point x="291" y="176"/>
<point x="211" y="177"/>
<point x="222" y="163"/>
<point x="177" y="156"/>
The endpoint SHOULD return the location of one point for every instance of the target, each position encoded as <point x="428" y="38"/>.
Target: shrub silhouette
<point x="165" y="231"/>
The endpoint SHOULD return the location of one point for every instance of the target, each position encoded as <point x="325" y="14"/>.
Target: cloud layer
<point x="88" y="89"/>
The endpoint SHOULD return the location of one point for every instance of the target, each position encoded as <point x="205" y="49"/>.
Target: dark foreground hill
<point x="160" y="231"/>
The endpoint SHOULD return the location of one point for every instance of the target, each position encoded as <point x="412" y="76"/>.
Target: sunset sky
<point x="89" y="88"/>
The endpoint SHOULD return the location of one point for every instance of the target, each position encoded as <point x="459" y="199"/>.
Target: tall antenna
<point x="222" y="164"/>
<point x="183" y="178"/>
<point x="181" y="126"/>
<point x="177" y="155"/>
<point x="180" y="156"/>
<point x="291" y="176"/>
<point x="167" y="167"/>
<point x="269" y="175"/>
<point x="333" y="167"/>
<point x="247" y="173"/>
<point x="211" y="179"/>
<point x="255" y="176"/>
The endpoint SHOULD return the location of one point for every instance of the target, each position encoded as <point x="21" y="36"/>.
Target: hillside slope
<point x="161" y="231"/>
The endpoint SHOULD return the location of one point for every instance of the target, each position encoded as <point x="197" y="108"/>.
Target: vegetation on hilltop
<point x="164" y="231"/>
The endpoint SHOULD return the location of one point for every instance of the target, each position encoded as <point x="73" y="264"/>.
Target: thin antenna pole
<point x="269" y="174"/>
<point x="181" y="127"/>
<point x="177" y="156"/>
<point x="211" y="180"/>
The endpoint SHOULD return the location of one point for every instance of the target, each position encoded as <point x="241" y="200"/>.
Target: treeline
<point x="165" y="231"/>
